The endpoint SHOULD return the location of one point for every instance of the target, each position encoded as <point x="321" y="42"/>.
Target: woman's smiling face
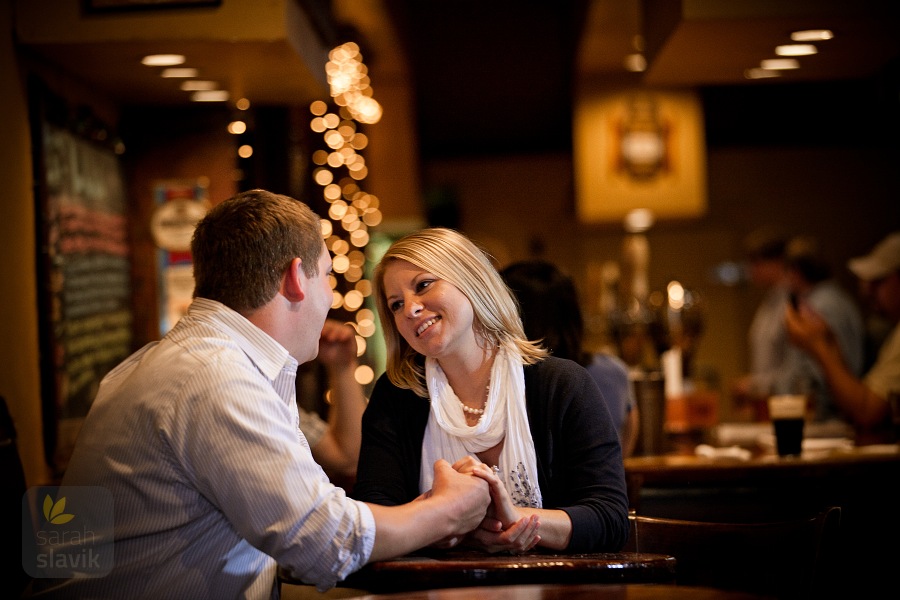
<point x="433" y="316"/>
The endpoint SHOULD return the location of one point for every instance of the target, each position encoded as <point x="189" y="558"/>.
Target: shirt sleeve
<point x="237" y="440"/>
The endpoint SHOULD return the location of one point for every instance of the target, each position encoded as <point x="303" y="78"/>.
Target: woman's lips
<point x="426" y="325"/>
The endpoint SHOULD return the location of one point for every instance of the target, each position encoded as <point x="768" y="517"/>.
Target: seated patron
<point x="335" y="443"/>
<point x="464" y="384"/>
<point x="863" y="401"/>
<point x="811" y="284"/>
<point x="551" y="314"/>
<point x="767" y="339"/>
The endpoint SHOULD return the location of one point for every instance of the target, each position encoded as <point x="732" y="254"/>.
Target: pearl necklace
<point x="475" y="411"/>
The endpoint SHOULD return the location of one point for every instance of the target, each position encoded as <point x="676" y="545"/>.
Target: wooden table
<point x="587" y="591"/>
<point x="453" y="569"/>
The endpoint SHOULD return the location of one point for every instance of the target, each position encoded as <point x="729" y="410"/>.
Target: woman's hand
<point x="519" y="537"/>
<point x="504" y="527"/>
<point x="502" y="507"/>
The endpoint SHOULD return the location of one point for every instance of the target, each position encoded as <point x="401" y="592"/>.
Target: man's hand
<point x="466" y="497"/>
<point x="808" y="330"/>
<point x="454" y="506"/>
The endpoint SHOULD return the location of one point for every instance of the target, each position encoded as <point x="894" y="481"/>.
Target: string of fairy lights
<point x="339" y="172"/>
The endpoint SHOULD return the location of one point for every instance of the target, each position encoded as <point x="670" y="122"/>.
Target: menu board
<point x="85" y="281"/>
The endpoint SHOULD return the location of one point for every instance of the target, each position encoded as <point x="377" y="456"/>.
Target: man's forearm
<point x="863" y="406"/>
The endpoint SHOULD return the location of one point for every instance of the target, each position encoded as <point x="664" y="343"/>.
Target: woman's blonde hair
<point x="454" y="258"/>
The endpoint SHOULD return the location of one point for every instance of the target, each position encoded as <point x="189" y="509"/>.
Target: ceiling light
<point x="780" y="64"/>
<point x="636" y="63"/>
<point x="760" y="74"/>
<point x="812" y="35"/>
<point x="210" y="96"/>
<point x="184" y="72"/>
<point x="639" y="220"/>
<point x="162" y="60"/>
<point x="796" y="50"/>
<point x="198" y="85"/>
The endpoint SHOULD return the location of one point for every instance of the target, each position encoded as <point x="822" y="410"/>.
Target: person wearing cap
<point x="863" y="401"/>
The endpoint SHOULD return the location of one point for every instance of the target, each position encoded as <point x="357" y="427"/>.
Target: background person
<point x="197" y="436"/>
<point x="335" y="443"/>
<point x="463" y="383"/>
<point x="551" y="314"/>
<point x="863" y="401"/>
<point x="811" y="283"/>
<point x="767" y="340"/>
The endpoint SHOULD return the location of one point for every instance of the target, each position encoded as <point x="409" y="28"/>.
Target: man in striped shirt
<point x="196" y="437"/>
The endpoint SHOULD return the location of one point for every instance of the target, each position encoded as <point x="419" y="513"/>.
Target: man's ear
<point x="293" y="282"/>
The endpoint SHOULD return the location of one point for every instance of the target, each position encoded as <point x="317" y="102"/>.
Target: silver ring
<point x="496" y="470"/>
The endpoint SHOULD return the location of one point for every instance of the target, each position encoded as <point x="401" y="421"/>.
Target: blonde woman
<point x="464" y="384"/>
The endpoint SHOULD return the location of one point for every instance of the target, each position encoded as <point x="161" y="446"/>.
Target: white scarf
<point x="448" y="436"/>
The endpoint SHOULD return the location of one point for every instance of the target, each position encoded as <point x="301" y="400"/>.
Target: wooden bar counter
<point x="816" y="476"/>
<point x="862" y="480"/>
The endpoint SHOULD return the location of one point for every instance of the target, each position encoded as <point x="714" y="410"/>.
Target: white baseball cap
<point x="883" y="260"/>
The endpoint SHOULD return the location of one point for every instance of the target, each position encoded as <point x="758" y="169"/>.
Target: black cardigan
<point x="579" y="457"/>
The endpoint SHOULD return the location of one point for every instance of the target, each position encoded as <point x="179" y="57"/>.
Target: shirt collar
<point x="268" y="355"/>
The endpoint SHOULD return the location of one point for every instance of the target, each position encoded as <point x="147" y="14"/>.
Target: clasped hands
<point x="504" y="527"/>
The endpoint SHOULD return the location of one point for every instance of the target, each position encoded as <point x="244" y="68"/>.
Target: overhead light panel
<point x="198" y="85"/>
<point x="163" y="60"/>
<point x="179" y="73"/>
<point x="760" y="74"/>
<point x="636" y="63"/>
<point x="210" y="96"/>
<point x="780" y="64"/>
<point x="812" y="35"/>
<point x="796" y="50"/>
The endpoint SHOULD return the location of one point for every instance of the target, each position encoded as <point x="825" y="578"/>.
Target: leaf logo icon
<point x="54" y="513"/>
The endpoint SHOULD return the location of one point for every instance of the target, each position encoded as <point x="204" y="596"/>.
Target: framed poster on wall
<point x="84" y="278"/>
<point x="180" y="204"/>
<point x="639" y="148"/>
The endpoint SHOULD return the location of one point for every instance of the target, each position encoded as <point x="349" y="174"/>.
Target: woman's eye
<point x="424" y="284"/>
<point x="395" y="305"/>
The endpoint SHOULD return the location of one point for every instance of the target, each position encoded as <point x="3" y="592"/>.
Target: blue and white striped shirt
<point x="197" y="438"/>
